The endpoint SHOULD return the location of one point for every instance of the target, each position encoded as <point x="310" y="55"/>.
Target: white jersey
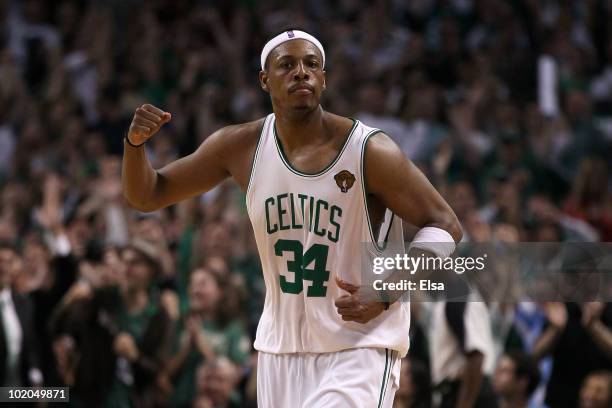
<point x="309" y="229"/>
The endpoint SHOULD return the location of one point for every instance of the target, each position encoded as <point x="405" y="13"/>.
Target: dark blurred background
<point x="505" y="105"/>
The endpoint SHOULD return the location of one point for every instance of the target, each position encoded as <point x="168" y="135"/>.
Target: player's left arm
<point x="400" y="186"/>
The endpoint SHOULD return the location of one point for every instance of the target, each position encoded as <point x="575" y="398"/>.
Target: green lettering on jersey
<point x="320" y="203"/>
<point x="294" y="225"/>
<point x="336" y="235"/>
<point x="303" y="198"/>
<point x="269" y="229"/>
<point x="311" y="210"/>
<point x="282" y="211"/>
<point x="318" y="275"/>
<point x="322" y="218"/>
<point x="294" y="265"/>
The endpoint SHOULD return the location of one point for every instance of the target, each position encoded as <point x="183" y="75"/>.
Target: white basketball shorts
<point x="359" y="378"/>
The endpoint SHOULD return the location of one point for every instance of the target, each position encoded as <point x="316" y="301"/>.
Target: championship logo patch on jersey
<point x="345" y="180"/>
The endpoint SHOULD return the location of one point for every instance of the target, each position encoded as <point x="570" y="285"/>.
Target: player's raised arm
<point x="402" y="187"/>
<point x="147" y="189"/>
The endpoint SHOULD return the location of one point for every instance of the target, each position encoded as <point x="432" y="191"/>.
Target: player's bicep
<point x="401" y="186"/>
<point x="193" y="174"/>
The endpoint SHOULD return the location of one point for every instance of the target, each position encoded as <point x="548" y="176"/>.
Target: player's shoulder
<point x="234" y="140"/>
<point x="240" y="134"/>
<point x="232" y="148"/>
<point x="382" y="155"/>
<point x="384" y="162"/>
<point x="380" y="146"/>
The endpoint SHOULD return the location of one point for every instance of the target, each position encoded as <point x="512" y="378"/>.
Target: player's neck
<point x="295" y="131"/>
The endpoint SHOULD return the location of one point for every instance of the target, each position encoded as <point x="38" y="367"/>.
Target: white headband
<point x="288" y="36"/>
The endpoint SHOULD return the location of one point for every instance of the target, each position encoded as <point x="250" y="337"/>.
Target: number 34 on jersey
<point x="290" y="211"/>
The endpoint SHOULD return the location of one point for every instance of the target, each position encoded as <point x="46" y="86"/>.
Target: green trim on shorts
<point x="380" y="398"/>
<point x="393" y="360"/>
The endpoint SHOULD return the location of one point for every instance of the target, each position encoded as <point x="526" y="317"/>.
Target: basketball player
<point x="317" y="186"/>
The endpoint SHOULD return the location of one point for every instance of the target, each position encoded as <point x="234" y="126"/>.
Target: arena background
<point x="505" y="105"/>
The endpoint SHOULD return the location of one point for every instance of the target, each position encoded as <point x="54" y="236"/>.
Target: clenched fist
<point x="147" y="121"/>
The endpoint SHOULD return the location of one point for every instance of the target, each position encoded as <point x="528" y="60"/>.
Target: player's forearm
<point x="444" y="217"/>
<point x="429" y="245"/>
<point x="401" y="276"/>
<point x="138" y="178"/>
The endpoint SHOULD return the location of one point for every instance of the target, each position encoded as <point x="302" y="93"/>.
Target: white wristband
<point x="435" y="240"/>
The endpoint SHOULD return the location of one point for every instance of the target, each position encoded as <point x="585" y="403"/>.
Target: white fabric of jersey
<point x="299" y="218"/>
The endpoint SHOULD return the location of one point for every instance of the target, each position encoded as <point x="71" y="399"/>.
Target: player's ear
<point x="324" y="82"/>
<point x="263" y="81"/>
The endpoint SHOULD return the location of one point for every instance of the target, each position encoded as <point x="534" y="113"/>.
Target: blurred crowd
<point x="160" y="309"/>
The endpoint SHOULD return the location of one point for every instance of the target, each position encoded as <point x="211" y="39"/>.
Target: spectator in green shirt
<point x="143" y="326"/>
<point x="209" y="329"/>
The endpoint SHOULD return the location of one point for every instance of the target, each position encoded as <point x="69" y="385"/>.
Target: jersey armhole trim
<point x="256" y="155"/>
<point x="386" y="239"/>
<point x="375" y="243"/>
